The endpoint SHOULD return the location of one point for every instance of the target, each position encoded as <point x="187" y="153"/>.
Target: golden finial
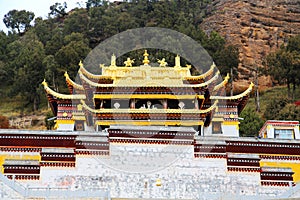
<point x="128" y="62"/>
<point x="188" y="66"/>
<point x="44" y="83"/>
<point x="227" y="77"/>
<point x="101" y="65"/>
<point x="80" y="64"/>
<point x="162" y="62"/>
<point x="113" y="60"/>
<point x="66" y="74"/>
<point x="146" y="60"/>
<point x="177" y="61"/>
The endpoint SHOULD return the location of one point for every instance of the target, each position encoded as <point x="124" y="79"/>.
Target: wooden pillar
<point x="196" y="104"/>
<point x="165" y="104"/>
<point x="101" y="104"/>
<point x="132" y="104"/>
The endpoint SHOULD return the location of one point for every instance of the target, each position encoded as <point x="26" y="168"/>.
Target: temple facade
<point x="137" y="132"/>
<point x="148" y="95"/>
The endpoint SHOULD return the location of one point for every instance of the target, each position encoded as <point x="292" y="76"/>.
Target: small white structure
<point x="280" y="129"/>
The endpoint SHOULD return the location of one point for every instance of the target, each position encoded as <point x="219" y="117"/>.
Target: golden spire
<point x="66" y="74"/>
<point x="146" y="60"/>
<point x="177" y="61"/>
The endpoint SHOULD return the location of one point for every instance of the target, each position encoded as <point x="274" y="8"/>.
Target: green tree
<point x="251" y="124"/>
<point x="58" y="10"/>
<point x="283" y="65"/>
<point x="227" y="59"/>
<point x="51" y="70"/>
<point x="274" y="107"/>
<point x="289" y="112"/>
<point x="75" y="49"/>
<point x="44" y="29"/>
<point x="95" y="3"/>
<point x="29" y="69"/>
<point x="3" y="48"/>
<point x="19" y="20"/>
<point x="77" y="21"/>
<point x="55" y="43"/>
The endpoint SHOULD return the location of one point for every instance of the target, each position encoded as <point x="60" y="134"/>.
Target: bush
<point x="274" y="107"/>
<point x="49" y="123"/>
<point x="290" y="112"/>
<point x="251" y="124"/>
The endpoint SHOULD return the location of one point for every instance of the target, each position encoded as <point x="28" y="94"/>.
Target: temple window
<point x="216" y="128"/>
<point x="284" y="133"/>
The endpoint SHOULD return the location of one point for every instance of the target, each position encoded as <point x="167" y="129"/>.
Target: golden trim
<point x="71" y="82"/>
<point x="183" y="111"/>
<point x="65" y="121"/>
<point x="222" y="84"/>
<point x="149" y="96"/>
<point x="79" y="118"/>
<point x="91" y="75"/>
<point x="202" y="76"/>
<point x="217" y="120"/>
<point x="83" y="77"/>
<point x="61" y="96"/>
<point x="231" y="123"/>
<point x="245" y="93"/>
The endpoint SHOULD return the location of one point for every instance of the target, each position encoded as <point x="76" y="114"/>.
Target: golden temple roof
<point x="235" y="97"/>
<point x="62" y="96"/>
<point x="204" y="75"/>
<point x="222" y="84"/>
<point x="146" y="74"/>
<point x="146" y="81"/>
<point x="71" y="82"/>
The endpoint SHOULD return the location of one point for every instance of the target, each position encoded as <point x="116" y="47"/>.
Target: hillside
<point x="256" y="27"/>
<point x="56" y="44"/>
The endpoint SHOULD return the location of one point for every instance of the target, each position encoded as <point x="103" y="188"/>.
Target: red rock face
<point x="257" y="27"/>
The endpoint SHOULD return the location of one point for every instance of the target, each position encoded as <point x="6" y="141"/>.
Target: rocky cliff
<point x="257" y="27"/>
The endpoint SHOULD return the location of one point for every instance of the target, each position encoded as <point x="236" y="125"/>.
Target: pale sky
<point x="41" y="8"/>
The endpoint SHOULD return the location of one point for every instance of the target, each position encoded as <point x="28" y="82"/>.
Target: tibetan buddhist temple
<point x="150" y="131"/>
<point x="148" y="96"/>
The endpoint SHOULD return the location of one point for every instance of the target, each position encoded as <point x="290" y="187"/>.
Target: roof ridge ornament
<point x="66" y="74"/>
<point x="44" y="83"/>
<point x="177" y="61"/>
<point x="162" y="62"/>
<point x="80" y="64"/>
<point x="146" y="60"/>
<point x="113" y="60"/>
<point x="128" y="62"/>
